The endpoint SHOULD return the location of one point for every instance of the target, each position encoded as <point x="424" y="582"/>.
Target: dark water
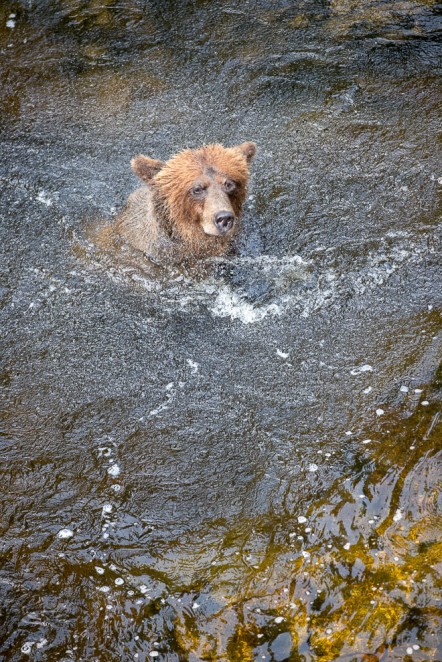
<point x="249" y="461"/>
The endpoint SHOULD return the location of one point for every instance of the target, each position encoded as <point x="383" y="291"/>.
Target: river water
<point x="244" y="463"/>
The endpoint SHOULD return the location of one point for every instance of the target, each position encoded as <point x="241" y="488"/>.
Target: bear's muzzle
<point x="224" y="221"/>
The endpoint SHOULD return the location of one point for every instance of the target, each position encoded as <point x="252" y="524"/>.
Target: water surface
<point x="239" y="462"/>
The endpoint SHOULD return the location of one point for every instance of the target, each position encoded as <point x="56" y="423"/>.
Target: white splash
<point x="230" y="304"/>
<point x="44" y="198"/>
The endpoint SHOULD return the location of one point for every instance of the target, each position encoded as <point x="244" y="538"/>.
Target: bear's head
<point x="202" y="190"/>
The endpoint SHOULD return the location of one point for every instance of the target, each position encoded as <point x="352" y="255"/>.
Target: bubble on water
<point x="380" y="412"/>
<point x="104" y="589"/>
<point x="302" y="519"/>
<point x="44" y="198"/>
<point x="10" y="23"/>
<point x="27" y="647"/>
<point x="409" y="650"/>
<point x="366" y="441"/>
<point x="142" y="588"/>
<point x="404" y="389"/>
<point x="367" y="390"/>
<point x="98" y="570"/>
<point x="153" y="654"/>
<point x="425" y="403"/>
<point x="313" y="467"/>
<point x="114" y="470"/>
<point x="193" y="365"/>
<point x="398" y="515"/>
<point x="107" y="508"/>
<point x="347" y="546"/>
<point x="116" y="487"/>
<point x="363" y="368"/>
<point x="305" y="554"/>
<point x="104" y="450"/>
<point x="279" y="619"/>
<point x="418" y="390"/>
<point x="119" y="581"/>
<point x="283" y="355"/>
<point x="65" y="534"/>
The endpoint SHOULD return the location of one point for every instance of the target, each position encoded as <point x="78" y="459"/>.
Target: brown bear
<point x="192" y="203"/>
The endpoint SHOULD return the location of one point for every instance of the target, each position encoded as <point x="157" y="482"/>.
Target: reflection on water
<point x="238" y="459"/>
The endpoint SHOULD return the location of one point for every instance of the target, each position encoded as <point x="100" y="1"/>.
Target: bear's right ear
<point x="146" y="168"/>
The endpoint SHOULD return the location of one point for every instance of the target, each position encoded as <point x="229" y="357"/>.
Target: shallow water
<point x="239" y="461"/>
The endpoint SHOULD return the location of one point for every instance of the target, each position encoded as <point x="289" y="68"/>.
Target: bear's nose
<point x="224" y="221"/>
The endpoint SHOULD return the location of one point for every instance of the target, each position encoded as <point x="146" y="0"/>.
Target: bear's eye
<point x="229" y="186"/>
<point x="197" y="190"/>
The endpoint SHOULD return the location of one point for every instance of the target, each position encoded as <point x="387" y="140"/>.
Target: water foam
<point x="252" y="289"/>
<point x="230" y="304"/>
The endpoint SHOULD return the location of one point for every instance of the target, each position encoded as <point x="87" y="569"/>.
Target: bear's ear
<point x="248" y="150"/>
<point x="146" y="168"/>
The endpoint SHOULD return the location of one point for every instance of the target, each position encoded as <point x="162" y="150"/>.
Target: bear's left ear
<point x="146" y="168"/>
<point x="248" y="150"/>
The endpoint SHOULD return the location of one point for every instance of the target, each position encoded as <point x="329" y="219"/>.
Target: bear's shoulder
<point x="137" y="222"/>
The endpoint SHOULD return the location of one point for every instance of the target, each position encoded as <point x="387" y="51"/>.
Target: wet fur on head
<point x="172" y="181"/>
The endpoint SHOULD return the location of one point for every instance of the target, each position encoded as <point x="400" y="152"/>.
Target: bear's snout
<point x="224" y="221"/>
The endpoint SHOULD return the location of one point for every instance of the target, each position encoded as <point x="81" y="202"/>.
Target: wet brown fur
<point x="165" y="216"/>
